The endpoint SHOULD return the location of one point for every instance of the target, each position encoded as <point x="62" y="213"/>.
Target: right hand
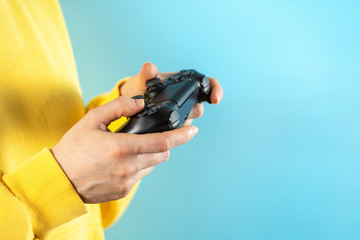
<point x="104" y="166"/>
<point x="137" y="85"/>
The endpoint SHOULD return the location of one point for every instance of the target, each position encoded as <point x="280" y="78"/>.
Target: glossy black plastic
<point x="168" y="104"/>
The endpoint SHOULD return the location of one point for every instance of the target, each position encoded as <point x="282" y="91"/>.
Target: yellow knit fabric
<point x="40" y="99"/>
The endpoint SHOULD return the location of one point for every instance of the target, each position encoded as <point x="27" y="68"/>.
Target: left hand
<point x="136" y="86"/>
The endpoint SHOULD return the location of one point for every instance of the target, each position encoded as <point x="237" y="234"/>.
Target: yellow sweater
<point x="40" y="99"/>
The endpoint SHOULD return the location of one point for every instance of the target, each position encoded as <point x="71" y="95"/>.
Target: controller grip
<point x="156" y="122"/>
<point x="130" y="126"/>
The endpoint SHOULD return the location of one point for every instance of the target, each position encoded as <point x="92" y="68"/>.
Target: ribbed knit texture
<point x="43" y="187"/>
<point x="40" y="100"/>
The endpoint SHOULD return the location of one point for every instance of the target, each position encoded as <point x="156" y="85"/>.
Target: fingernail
<point x="139" y="102"/>
<point x="138" y="97"/>
<point x="194" y="130"/>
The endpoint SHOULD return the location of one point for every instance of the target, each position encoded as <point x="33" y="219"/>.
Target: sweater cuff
<point x="46" y="192"/>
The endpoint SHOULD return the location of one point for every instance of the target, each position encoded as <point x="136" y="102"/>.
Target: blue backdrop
<point x="279" y="157"/>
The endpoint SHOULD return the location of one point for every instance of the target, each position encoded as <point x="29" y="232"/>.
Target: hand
<point x="104" y="166"/>
<point x="136" y="86"/>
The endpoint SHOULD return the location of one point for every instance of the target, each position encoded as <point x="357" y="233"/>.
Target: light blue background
<point x="279" y="157"/>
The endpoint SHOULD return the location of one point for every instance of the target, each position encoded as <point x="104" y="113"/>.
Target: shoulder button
<point x="153" y="82"/>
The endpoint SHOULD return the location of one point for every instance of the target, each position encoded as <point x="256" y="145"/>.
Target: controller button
<point x="174" y="117"/>
<point x="175" y="78"/>
<point x="153" y="82"/>
<point x="205" y="82"/>
<point x="168" y="102"/>
<point x="186" y="74"/>
<point x="155" y="108"/>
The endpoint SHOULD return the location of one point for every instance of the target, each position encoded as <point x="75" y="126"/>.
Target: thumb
<point x="148" y="71"/>
<point x="120" y="106"/>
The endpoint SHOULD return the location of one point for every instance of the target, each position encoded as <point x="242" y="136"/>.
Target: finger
<point x="120" y="106"/>
<point x="131" y="182"/>
<point x="143" y="173"/>
<point x="197" y="111"/>
<point x="216" y="92"/>
<point x="148" y="71"/>
<point x="187" y="122"/>
<point x="136" y="84"/>
<point x="151" y="159"/>
<point x="161" y="142"/>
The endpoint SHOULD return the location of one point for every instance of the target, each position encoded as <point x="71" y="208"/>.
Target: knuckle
<point x="128" y="170"/>
<point x="121" y="101"/>
<point x="124" y="173"/>
<point x="165" y="143"/>
<point x="92" y="113"/>
<point x="121" y="149"/>
<point x="121" y="173"/>
<point x="118" y="152"/>
<point x="132" y="168"/>
<point x="124" y="188"/>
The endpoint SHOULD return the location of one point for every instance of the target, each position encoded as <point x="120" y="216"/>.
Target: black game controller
<point x="168" y="104"/>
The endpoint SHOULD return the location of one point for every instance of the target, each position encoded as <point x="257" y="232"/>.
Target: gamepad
<point x="168" y="104"/>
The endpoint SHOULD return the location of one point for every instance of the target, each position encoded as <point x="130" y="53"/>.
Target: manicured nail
<point x="138" y="97"/>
